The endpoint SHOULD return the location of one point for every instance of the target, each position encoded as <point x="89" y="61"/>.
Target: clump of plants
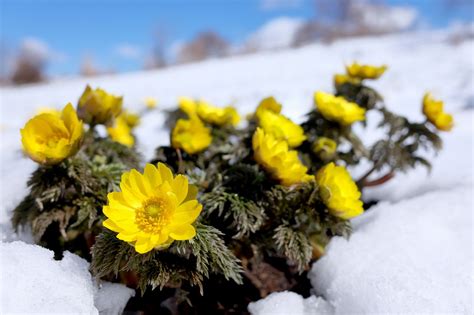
<point x="76" y="169"/>
<point x="229" y="211"/>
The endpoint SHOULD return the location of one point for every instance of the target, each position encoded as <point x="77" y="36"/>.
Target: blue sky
<point x="104" y="28"/>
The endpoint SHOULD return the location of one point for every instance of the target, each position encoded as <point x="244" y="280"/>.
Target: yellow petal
<point x="143" y="246"/>
<point x="180" y="187"/>
<point x="152" y="175"/>
<point x="182" y="233"/>
<point x="165" y="172"/>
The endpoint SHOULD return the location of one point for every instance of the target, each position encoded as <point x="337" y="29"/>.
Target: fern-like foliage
<point x="189" y="262"/>
<point x="64" y="205"/>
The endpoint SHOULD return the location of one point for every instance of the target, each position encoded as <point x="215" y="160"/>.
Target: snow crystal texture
<point x="33" y="282"/>
<point x="414" y="256"/>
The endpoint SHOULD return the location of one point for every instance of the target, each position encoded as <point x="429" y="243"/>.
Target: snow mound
<point x="33" y="282"/>
<point x="411" y="257"/>
<point x="286" y="303"/>
<point x="385" y="18"/>
<point x="112" y="298"/>
<point x="278" y="33"/>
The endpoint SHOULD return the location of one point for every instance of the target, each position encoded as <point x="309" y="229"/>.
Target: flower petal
<point x="183" y="232"/>
<point x="180" y="187"/>
<point x="165" y="172"/>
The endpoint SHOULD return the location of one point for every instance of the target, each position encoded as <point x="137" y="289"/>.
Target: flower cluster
<point x="283" y="164"/>
<point x="191" y="135"/>
<point x="338" y="109"/>
<point x="359" y="71"/>
<point x="434" y="112"/>
<point x="281" y="127"/>
<point x="223" y="198"/>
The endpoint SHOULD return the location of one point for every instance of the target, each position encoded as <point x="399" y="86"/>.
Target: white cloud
<point x="270" y="5"/>
<point x="128" y="51"/>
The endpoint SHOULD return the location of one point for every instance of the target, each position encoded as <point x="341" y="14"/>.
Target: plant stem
<point x="180" y="161"/>
<point x="361" y="180"/>
<point x="378" y="181"/>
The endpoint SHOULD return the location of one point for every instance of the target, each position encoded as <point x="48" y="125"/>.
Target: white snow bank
<point x="411" y="257"/>
<point x="289" y="303"/>
<point x="33" y="282"/>
<point x="276" y="34"/>
<point x="111" y="298"/>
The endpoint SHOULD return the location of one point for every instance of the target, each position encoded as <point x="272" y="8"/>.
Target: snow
<point x="33" y="282"/>
<point x="410" y="253"/>
<point x="285" y="303"/>
<point x="385" y="18"/>
<point x="111" y="298"/>
<point x="278" y="33"/>
<point x="414" y="256"/>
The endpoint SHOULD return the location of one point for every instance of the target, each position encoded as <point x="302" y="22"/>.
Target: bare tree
<point x="30" y="62"/>
<point x="157" y="58"/>
<point x="205" y="45"/>
<point x="88" y="66"/>
<point x="344" y="18"/>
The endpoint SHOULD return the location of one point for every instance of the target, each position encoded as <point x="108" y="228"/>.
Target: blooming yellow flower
<point x="340" y="79"/>
<point x="49" y="110"/>
<point x="338" y="109"/>
<point x="50" y="138"/>
<point x="150" y="102"/>
<point x="188" y="105"/>
<point x="130" y="118"/>
<point x="434" y="112"/>
<point x="281" y="128"/>
<point x="280" y="162"/>
<point x="98" y="107"/>
<point x="268" y="104"/>
<point x="121" y="132"/>
<point x="339" y="192"/>
<point x="325" y="147"/>
<point x="359" y="71"/>
<point x="216" y="115"/>
<point x="191" y="135"/>
<point x="152" y="209"/>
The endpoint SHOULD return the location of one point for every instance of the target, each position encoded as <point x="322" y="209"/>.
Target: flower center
<point x="153" y="215"/>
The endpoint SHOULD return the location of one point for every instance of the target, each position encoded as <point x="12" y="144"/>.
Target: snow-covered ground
<point x="412" y="253"/>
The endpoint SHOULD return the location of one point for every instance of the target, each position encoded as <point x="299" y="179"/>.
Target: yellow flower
<point x="325" y="147"/>
<point x="150" y="102"/>
<point x="280" y="162"/>
<point x="188" y="105"/>
<point x="191" y="135"/>
<point x="340" y="79"/>
<point x="130" y="118"/>
<point x="98" y="107"/>
<point x="50" y="138"/>
<point x="434" y="112"/>
<point x="338" y="109"/>
<point x="152" y="209"/>
<point x="339" y="192"/>
<point x="281" y="128"/>
<point x="359" y="71"/>
<point x="121" y="132"/>
<point x="268" y="104"/>
<point x="49" y="110"/>
<point x="216" y="115"/>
